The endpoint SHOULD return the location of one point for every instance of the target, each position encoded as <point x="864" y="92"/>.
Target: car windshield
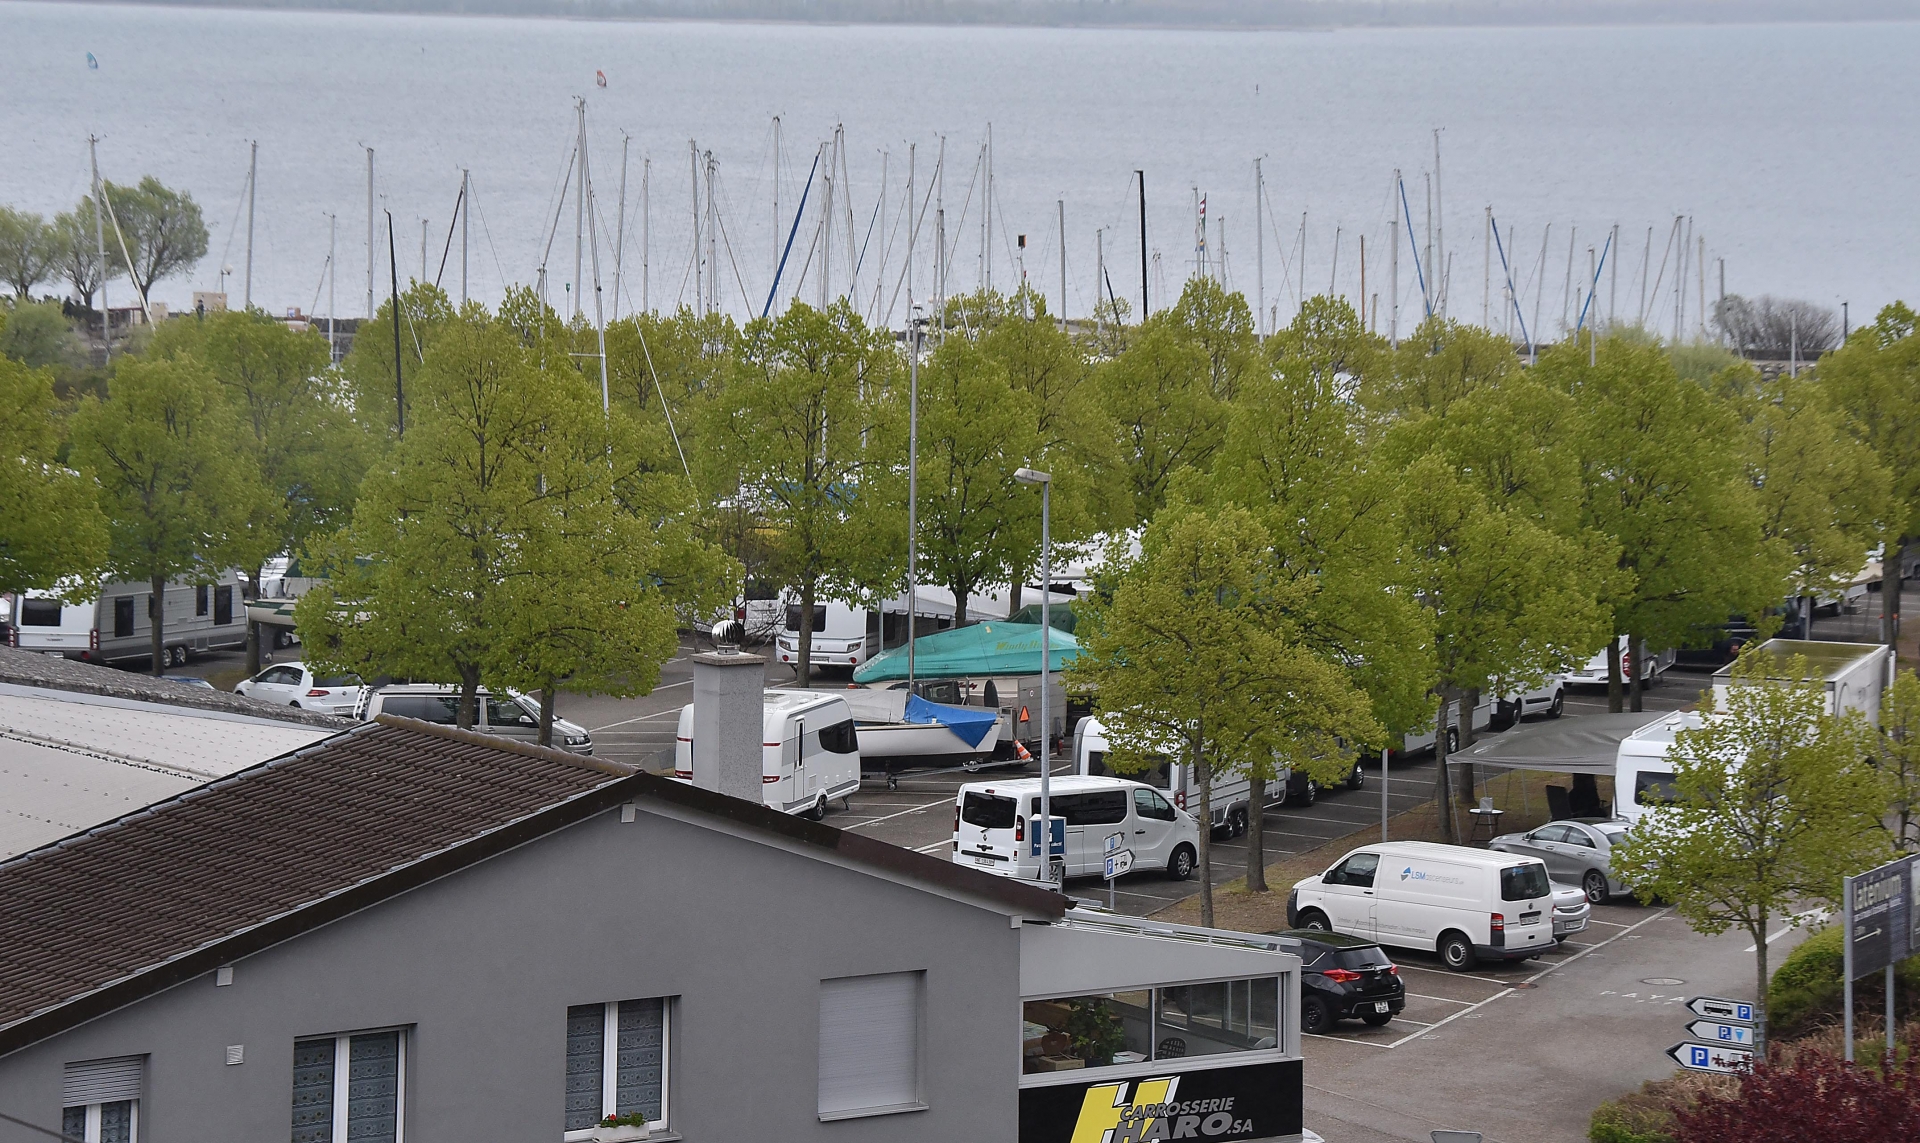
<point x="1524" y="882"/>
<point x="988" y="811"/>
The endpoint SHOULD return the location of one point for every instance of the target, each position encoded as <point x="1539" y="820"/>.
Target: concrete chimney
<point x="728" y="706"/>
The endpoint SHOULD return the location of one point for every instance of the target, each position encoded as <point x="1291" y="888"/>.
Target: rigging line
<point x="1286" y="264"/>
<point x="488" y="234"/>
<point x="1513" y="296"/>
<point x="864" y="242"/>
<point x="788" y="251"/>
<point x="960" y="225"/>
<point x="325" y="265"/>
<point x="459" y="201"/>
<point x="232" y="226"/>
<point x="566" y="181"/>
<point x="1426" y="300"/>
<point x="1593" y="285"/>
<point x="886" y="255"/>
<point x="720" y="221"/>
<point x="913" y="239"/>
<point x="1665" y="252"/>
<point x="665" y="410"/>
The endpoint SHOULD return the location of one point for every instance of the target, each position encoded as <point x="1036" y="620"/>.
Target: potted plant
<point x="621" y="1128"/>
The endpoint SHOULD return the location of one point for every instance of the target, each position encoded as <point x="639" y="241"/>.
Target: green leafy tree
<point x="294" y="421"/>
<point x="38" y="335"/>
<point x="1294" y="456"/>
<point x="1441" y="362"/>
<point x="369" y="368"/>
<point x="1875" y="380"/>
<point x="178" y="489"/>
<point x="162" y="228"/>
<point x="1772" y="807"/>
<point x="1663" y="480"/>
<point x="52" y="532"/>
<point x="76" y="252"/>
<point x="1193" y="654"/>
<point x="1897" y="756"/>
<point x="811" y="435"/>
<point x="27" y="250"/>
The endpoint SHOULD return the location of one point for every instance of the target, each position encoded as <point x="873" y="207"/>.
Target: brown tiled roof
<point x="240" y="864"/>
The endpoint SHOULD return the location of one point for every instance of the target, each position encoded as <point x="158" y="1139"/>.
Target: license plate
<point x="1380" y="1006"/>
<point x="983" y="861"/>
<point x="1529" y="918"/>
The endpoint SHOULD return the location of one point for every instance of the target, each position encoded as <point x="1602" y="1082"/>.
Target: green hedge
<point x="1632" y="1119"/>
<point x="1807" y="988"/>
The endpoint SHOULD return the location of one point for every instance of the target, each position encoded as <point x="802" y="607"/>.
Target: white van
<point x="839" y="636"/>
<point x="1415" y="741"/>
<point x="1467" y="904"/>
<point x="1595" y="671"/>
<point x="116" y="624"/>
<point x="810" y="751"/>
<point x="1642" y="771"/>
<point x="990" y="829"/>
<point x="1231" y="795"/>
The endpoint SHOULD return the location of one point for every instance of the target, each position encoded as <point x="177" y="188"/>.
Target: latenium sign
<point x="1251" y="1101"/>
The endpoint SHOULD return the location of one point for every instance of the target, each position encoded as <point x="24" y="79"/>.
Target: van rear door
<point x="989" y="832"/>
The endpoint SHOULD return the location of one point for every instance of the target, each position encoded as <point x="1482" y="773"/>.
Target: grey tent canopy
<point x="1576" y="744"/>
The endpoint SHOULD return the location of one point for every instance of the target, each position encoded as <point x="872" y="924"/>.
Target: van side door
<point x="1154" y="828"/>
<point x="1350" y="896"/>
<point x="1101" y="814"/>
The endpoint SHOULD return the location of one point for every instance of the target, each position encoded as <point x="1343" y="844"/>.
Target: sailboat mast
<point x="1063" y="265"/>
<point x="333" y="314"/>
<point x="987" y="248"/>
<point x="466" y="190"/>
<point x="620" y="227"/>
<point x="370" y="248"/>
<point x="1259" y="253"/>
<point x="1486" y="272"/>
<point x="1141" y="176"/>
<point x="1440" y="225"/>
<point x="1393" y="282"/>
<point x="100" y="242"/>
<point x="580" y="206"/>
<point x="253" y="169"/>
<point x="599" y="314"/>
<point x="713" y="248"/>
<point x="646" y="231"/>
<point x="693" y="181"/>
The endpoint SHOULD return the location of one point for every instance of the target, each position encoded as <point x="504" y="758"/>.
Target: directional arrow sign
<point x="1721" y="1008"/>
<point x="1113" y="841"/>
<point x="1710" y="1057"/>
<point x="1740" y="1035"/>
<point x="1118" y="863"/>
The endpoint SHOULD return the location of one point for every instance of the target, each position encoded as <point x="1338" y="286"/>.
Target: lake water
<point x="1790" y="148"/>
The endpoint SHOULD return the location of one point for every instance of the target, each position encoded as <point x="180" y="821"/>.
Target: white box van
<point x="991" y="832"/>
<point x="810" y="751"/>
<point x="1595" y="671"/>
<point x="839" y="636"/>
<point x="116" y="624"/>
<point x="1467" y="904"/>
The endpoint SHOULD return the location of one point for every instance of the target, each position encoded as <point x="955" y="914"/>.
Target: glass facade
<point x="1073" y="1033"/>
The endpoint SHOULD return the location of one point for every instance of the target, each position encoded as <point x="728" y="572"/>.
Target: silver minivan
<point x="509" y="715"/>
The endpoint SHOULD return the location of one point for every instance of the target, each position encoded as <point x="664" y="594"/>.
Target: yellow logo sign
<point x="1109" y="1115"/>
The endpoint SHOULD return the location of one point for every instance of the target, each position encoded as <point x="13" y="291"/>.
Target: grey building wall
<point x="483" y="964"/>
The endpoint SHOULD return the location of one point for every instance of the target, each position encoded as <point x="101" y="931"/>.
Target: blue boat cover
<point x="971" y="723"/>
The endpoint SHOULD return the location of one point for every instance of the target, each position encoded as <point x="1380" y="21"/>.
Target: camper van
<point x="1466" y="904"/>
<point x="839" y="636"/>
<point x="991" y="829"/>
<point x="1231" y="796"/>
<point x="810" y="751"/>
<point x="116" y="624"/>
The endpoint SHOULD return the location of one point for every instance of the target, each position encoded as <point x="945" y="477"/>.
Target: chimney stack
<point x="728" y="717"/>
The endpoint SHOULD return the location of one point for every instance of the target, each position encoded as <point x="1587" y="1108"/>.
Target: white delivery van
<point x="1175" y="780"/>
<point x="116" y="624"/>
<point x="991" y="830"/>
<point x="839" y="636"/>
<point x="1853" y="675"/>
<point x="1594" y="673"/>
<point x="1466" y="904"/>
<point x="810" y="751"/>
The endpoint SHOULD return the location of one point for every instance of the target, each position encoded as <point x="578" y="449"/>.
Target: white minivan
<point x="810" y="751"/>
<point x="1466" y="904"/>
<point x="991" y="832"/>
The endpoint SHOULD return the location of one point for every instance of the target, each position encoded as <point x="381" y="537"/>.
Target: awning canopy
<point x="1576" y="744"/>
<point x="996" y="648"/>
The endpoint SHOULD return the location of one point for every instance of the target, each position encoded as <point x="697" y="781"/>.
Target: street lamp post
<point x="1055" y="873"/>
<point x="913" y="484"/>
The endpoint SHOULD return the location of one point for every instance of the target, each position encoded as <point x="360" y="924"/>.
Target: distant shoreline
<point x="1122" y="15"/>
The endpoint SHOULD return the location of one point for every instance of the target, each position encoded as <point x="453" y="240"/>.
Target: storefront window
<point x="1078" y="1032"/>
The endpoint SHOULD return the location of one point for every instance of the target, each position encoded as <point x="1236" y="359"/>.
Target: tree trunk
<point x="1760" y="995"/>
<point x="253" y="628"/>
<point x="1463" y="783"/>
<point x="156" y="622"/>
<point x="1637" y="649"/>
<point x="961" y="595"/>
<point x="469" y="698"/>
<point x="1256" y="833"/>
<point x="1890" y="592"/>
<point x="546" y="712"/>
<point x="1442" y="784"/>
<point x="1614" y="703"/>
<point x="1013" y="596"/>
<point x="803" y="674"/>
<point x="1203" y="773"/>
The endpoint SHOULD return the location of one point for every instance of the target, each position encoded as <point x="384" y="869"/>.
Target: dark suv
<point x="1343" y="978"/>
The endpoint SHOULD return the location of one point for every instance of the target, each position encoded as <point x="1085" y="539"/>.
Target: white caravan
<point x="810" y="751"/>
<point x="840" y="637"/>
<point x="1466" y="904"/>
<point x="116" y="624"/>
<point x="992" y="830"/>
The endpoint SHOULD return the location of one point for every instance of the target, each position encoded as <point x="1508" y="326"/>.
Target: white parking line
<point x="1443" y="999"/>
<point x="934" y="846"/>
<point x="1451" y="975"/>
<point x="636" y="718"/>
<point x="903" y="813"/>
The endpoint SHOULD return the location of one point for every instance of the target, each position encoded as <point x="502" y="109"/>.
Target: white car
<point x="1549" y="698"/>
<point x="295" y="684"/>
<point x="1571" y="910"/>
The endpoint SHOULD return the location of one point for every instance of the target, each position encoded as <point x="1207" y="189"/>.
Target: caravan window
<point x="1155" y="775"/>
<point x="839" y="738"/>
<point x="819" y="617"/>
<point x="200" y="603"/>
<point x="222" y="605"/>
<point x="1653" y="788"/>
<point x="39" y="613"/>
<point x="123" y="616"/>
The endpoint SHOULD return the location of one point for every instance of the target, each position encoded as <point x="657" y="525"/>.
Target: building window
<point x="351" y="1086"/>
<point x="101" y="1099"/>
<point x="616" y="1063"/>
<point x="870" y="1044"/>
<point x="1072" y="1033"/>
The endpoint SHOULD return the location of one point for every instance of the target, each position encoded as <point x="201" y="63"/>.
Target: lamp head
<point x="1030" y="476"/>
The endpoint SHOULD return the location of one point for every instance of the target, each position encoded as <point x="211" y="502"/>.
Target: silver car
<point x="1576" y="853"/>
<point x="1571" y="909"/>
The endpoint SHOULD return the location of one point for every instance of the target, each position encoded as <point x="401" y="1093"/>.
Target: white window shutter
<point x="102" y="1081"/>
<point x="870" y="1043"/>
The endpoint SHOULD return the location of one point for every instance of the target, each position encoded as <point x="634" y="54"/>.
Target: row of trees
<point x="150" y="232"/>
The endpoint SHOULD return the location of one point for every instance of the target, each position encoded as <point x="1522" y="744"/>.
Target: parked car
<point x="510" y="715"/>
<point x="1576" y="852"/>
<point x="1571" y="910"/>
<point x="991" y="826"/>
<point x="1466" y="904"/>
<point x="1343" y="978"/>
<point x="189" y="681"/>
<point x="1594" y="673"/>
<point x="1549" y="698"/>
<point x="295" y="684"/>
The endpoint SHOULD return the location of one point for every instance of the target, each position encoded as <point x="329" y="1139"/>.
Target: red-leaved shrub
<point x="1811" y="1096"/>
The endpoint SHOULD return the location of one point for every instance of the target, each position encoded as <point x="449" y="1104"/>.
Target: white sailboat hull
<point x="917" y="740"/>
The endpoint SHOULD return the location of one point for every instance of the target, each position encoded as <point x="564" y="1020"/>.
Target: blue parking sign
<point x="1698" y="1057"/>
